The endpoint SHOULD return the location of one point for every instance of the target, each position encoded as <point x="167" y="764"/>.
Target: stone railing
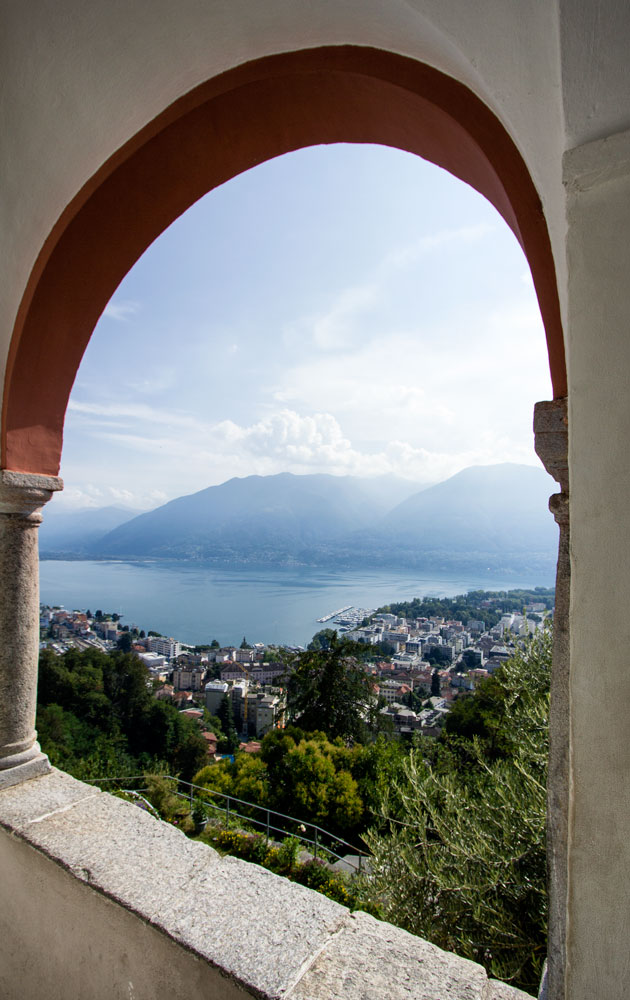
<point x="101" y="900"/>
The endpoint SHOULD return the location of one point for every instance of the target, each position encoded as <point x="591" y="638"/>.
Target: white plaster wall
<point x="80" y="78"/>
<point x="598" y="182"/>
<point x="595" y="40"/>
<point x="61" y="940"/>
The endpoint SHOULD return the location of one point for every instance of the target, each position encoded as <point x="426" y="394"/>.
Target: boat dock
<point x="334" y="614"/>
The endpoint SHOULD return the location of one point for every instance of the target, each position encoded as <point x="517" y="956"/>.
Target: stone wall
<point x="99" y="900"/>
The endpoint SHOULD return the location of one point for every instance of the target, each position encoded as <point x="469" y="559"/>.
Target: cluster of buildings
<point x="62" y="630"/>
<point x="437" y="658"/>
<point x="429" y="662"/>
<point x="253" y="684"/>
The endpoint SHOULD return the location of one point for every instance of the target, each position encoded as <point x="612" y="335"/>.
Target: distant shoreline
<point x="481" y="563"/>
<point x="268" y="604"/>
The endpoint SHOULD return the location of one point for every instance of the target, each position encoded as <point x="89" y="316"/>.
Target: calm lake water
<point x="196" y="603"/>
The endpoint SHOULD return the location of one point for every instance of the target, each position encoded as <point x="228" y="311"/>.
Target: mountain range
<point x="485" y="517"/>
<point x="76" y="531"/>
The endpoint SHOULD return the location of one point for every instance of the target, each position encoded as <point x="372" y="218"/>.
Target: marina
<point x="347" y="618"/>
<point x="334" y="614"/>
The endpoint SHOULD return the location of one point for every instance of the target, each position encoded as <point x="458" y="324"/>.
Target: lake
<point x="196" y="603"/>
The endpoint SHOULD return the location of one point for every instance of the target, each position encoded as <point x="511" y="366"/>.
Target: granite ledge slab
<point x="32" y="800"/>
<point x="372" y="960"/>
<point x="275" y="938"/>
<point x="259" y="929"/>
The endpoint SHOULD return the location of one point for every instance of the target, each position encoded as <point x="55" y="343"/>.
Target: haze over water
<point x="196" y="603"/>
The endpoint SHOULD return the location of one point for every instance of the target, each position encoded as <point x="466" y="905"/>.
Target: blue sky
<point x="344" y="309"/>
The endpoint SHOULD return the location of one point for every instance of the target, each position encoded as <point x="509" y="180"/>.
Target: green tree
<point x="162" y="794"/>
<point x="435" y="684"/>
<point x="466" y="869"/>
<point x="319" y="792"/>
<point x="306" y="776"/>
<point x="125" y="642"/>
<point x="230" y="741"/>
<point x="322" y="639"/>
<point x="97" y="717"/>
<point x="386" y="648"/>
<point x="330" y="689"/>
<point x="212" y="724"/>
<point x="415" y="699"/>
<point x="250" y="780"/>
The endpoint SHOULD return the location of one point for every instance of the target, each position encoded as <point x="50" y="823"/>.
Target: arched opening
<point x="227" y="125"/>
<point x="343" y="309"/>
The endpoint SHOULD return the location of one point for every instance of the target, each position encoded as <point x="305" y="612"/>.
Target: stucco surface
<point x="594" y="36"/>
<point x="81" y="79"/>
<point x="599" y="422"/>
<point x="63" y="941"/>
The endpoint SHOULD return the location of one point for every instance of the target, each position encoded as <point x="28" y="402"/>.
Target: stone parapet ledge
<point x="256" y="933"/>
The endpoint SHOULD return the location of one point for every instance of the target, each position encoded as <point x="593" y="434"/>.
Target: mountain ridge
<point x="490" y="517"/>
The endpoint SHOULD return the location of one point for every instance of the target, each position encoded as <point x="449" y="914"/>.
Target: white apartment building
<point x="167" y="647"/>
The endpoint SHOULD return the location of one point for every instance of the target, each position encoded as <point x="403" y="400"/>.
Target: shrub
<point x="161" y="793"/>
<point x="316" y="875"/>
<point x="248" y="846"/>
<point x="283" y="860"/>
<point x="465" y="868"/>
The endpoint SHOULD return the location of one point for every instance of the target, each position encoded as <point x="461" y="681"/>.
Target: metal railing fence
<point x="322" y="841"/>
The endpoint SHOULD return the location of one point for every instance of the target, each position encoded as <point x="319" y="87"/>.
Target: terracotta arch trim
<point x="225" y="126"/>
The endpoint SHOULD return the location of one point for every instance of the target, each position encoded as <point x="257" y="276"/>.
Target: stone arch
<point x="225" y="126"/>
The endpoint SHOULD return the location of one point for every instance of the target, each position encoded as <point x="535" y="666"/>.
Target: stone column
<point x="22" y="495"/>
<point x="551" y="441"/>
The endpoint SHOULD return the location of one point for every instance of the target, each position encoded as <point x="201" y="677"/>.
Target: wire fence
<point x="213" y="803"/>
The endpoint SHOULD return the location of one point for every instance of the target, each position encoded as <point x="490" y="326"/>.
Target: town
<point x="419" y="665"/>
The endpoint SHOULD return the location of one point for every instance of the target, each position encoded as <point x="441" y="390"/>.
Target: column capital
<point x="551" y="439"/>
<point x="24" y="493"/>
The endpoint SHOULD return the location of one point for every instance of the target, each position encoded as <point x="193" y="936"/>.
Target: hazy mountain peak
<point x="484" y="515"/>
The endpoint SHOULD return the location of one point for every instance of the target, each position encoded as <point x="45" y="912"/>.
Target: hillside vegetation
<point x="459" y="845"/>
<point x="97" y="718"/>
<point x="456" y="825"/>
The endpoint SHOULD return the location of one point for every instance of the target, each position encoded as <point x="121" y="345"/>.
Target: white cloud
<point x="410" y="255"/>
<point x="121" y="311"/>
<point x="339" y="326"/>
<point x="286" y="440"/>
<point x="87" y="494"/>
<point x="137" y="412"/>
<point x="473" y="376"/>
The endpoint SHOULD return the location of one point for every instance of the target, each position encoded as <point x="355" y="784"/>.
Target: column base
<point x="22" y="772"/>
